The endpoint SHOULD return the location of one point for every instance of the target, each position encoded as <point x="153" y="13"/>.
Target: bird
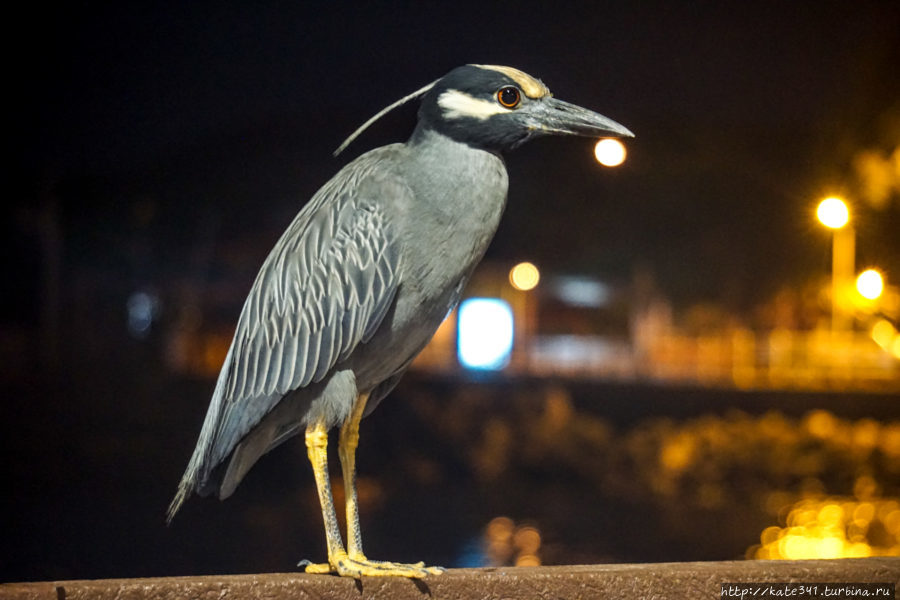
<point x="359" y="282"/>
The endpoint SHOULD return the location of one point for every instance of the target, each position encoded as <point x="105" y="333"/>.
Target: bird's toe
<point x="316" y="568"/>
<point x="360" y="566"/>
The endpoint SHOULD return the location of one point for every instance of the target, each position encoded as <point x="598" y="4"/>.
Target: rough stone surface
<point x="645" y="581"/>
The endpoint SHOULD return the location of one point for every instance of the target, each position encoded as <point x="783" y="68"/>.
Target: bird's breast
<point x="453" y="221"/>
<point x="457" y="202"/>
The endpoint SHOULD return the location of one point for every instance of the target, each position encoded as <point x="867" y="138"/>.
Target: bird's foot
<point x="359" y="565"/>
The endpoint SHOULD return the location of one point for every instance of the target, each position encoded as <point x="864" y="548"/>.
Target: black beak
<point x="550" y="116"/>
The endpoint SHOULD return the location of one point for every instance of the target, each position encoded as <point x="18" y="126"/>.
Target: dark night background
<point x="164" y="147"/>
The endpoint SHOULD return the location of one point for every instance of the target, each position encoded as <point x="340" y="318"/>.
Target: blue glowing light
<point x="143" y="308"/>
<point x="485" y="333"/>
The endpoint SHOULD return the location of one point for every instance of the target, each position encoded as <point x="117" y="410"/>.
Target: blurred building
<point x="578" y="326"/>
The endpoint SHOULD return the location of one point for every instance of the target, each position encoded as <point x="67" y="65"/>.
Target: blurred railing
<point x="741" y="358"/>
<point x="782" y="359"/>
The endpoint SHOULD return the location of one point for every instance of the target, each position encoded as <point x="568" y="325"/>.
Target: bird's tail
<point x="198" y="467"/>
<point x="192" y="475"/>
<point x="185" y="488"/>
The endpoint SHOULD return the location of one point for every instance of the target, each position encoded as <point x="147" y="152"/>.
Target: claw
<point x="316" y="568"/>
<point x="360" y="566"/>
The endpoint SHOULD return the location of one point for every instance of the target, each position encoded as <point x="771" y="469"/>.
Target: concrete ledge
<point x="646" y="581"/>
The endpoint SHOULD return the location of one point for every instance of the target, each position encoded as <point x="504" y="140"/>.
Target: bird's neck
<point x="465" y="173"/>
<point x="425" y="135"/>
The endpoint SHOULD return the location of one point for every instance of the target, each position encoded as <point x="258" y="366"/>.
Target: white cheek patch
<point x="456" y="104"/>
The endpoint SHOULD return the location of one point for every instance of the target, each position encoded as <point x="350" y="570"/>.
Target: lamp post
<point x="834" y="214"/>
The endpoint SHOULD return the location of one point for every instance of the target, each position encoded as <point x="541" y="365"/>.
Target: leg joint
<point x="316" y="437"/>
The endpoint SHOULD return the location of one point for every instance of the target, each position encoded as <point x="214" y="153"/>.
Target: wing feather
<point x="312" y="359"/>
<point x="288" y="361"/>
<point x="324" y="289"/>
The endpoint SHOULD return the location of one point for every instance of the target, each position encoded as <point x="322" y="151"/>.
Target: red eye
<point x="509" y="97"/>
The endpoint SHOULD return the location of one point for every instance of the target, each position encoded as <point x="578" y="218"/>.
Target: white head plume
<point x="383" y="112"/>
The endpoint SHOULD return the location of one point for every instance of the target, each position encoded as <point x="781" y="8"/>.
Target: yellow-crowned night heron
<point x="360" y="281"/>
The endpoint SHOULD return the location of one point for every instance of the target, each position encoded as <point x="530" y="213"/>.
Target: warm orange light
<point x="677" y="453"/>
<point x="524" y="276"/>
<point x="833" y="213"/>
<point x="527" y="540"/>
<point x="883" y="333"/>
<point x="500" y="528"/>
<point x="610" y="152"/>
<point x="833" y="528"/>
<point x="870" y="284"/>
<point x="528" y="560"/>
<point x="821" y="423"/>
<point x="510" y="544"/>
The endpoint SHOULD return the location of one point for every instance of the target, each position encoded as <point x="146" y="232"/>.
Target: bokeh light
<point x="883" y="333"/>
<point x="509" y="544"/>
<point x="870" y="284"/>
<point x="833" y="212"/>
<point x="143" y="309"/>
<point x="834" y="527"/>
<point x="524" y="276"/>
<point x="610" y="152"/>
<point x="484" y="333"/>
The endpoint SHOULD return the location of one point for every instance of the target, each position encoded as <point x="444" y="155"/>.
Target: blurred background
<point x="683" y="357"/>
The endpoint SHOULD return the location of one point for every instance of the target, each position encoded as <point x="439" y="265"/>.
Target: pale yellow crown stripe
<point x="532" y="87"/>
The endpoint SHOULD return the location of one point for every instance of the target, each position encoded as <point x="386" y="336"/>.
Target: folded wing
<point x="323" y="290"/>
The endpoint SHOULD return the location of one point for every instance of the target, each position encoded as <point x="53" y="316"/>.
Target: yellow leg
<point x="347" y="444"/>
<point x="352" y="563"/>
<point x="317" y="451"/>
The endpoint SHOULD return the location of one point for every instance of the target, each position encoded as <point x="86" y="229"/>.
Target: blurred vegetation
<point x="703" y="487"/>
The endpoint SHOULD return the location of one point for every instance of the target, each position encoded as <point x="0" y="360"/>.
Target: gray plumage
<point x="363" y="276"/>
<point x="328" y="283"/>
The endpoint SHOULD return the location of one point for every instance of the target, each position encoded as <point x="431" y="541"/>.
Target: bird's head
<point x="498" y="108"/>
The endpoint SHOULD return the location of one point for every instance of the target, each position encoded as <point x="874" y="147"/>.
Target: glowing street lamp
<point x="834" y="214"/>
<point x="870" y="284"/>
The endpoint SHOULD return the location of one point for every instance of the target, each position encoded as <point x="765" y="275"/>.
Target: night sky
<point x="222" y="118"/>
